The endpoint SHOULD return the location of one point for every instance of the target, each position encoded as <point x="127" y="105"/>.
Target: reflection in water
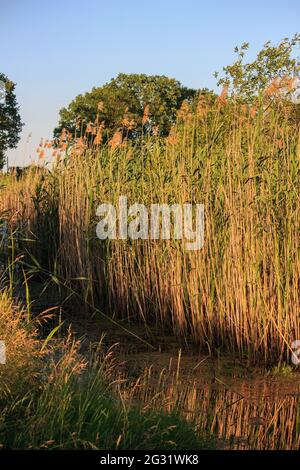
<point x="241" y="406"/>
<point x="242" y="423"/>
<point x="244" y="414"/>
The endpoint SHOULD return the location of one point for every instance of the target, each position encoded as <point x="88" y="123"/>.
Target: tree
<point x="134" y="103"/>
<point x="275" y="67"/>
<point x="10" y="120"/>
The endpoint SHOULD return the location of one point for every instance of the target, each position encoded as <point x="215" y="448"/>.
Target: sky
<point x="54" y="50"/>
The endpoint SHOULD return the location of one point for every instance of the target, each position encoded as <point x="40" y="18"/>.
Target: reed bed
<point x="240" y="292"/>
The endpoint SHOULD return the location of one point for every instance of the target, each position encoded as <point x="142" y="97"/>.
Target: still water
<point x="243" y="408"/>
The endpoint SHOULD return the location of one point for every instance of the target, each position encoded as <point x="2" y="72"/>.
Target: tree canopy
<point x="275" y="66"/>
<point x="132" y="102"/>
<point x="10" y="120"/>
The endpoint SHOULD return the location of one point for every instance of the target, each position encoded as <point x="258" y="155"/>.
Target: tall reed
<point x="240" y="292"/>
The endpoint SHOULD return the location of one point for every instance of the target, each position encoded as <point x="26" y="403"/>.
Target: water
<point x="241" y="405"/>
<point x="241" y="409"/>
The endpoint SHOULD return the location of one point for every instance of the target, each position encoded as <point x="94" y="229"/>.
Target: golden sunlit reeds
<point x="240" y="293"/>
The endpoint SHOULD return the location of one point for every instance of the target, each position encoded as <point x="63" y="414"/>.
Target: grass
<point x="240" y="293"/>
<point x="84" y="415"/>
<point x="22" y="349"/>
<point x="282" y="370"/>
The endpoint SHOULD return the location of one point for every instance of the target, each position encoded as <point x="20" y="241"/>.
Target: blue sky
<point x="55" y="50"/>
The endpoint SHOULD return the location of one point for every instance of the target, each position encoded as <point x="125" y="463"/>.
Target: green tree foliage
<point x="274" y="63"/>
<point x="10" y="120"/>
<point x="122" y="104"/>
